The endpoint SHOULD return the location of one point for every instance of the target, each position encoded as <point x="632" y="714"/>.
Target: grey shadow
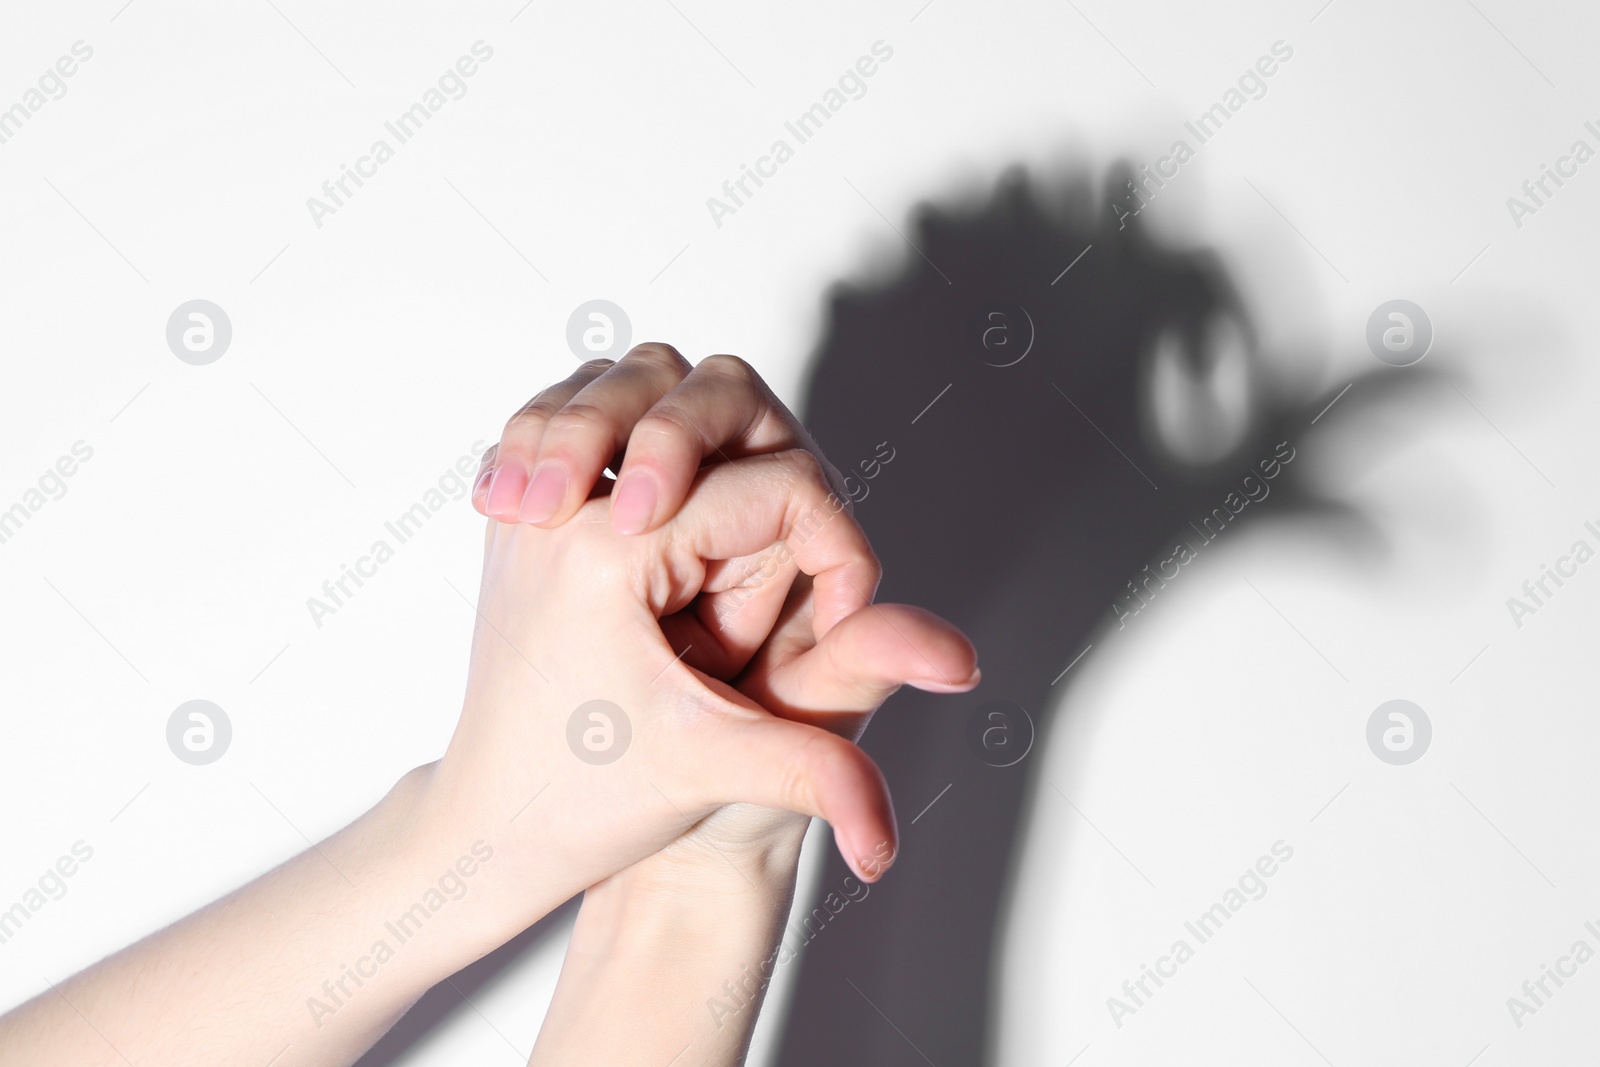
<point x="1022" y="499"/>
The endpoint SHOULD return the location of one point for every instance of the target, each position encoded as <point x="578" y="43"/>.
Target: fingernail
<point x="546" y="491"/>
<point x="483" y="480"/>
<point x="505" y="491"/>
<point x="942" y="685"/>
<point x="633" y="502"/>
<point x="882" y="858"/>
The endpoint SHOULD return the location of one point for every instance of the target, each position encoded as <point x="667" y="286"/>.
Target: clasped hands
<point x="719" y="596"/>
<point x="715" y="605"/>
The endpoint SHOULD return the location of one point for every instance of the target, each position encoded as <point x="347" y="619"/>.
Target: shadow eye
<point x="1200" y="402"/>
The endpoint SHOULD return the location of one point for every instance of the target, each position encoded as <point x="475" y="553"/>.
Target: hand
<point x="663" y="419"/>
<point x="674" y="927"/>
<point x="579" y="613"/>
<point x="670" y="417"/>
<point x="325" y="951"/>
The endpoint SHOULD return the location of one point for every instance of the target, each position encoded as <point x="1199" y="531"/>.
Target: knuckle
<point x="800" y="776"/>
<point x="486" y="463"/>
<point x="523" y="425"/>
<point x="660" y="426"/>
<point x="730" y="367"/>
<point x="658" y="355"/>
<point x="592" y="368"/>
<point x="805" y="485"/>
<point x="530" y="417"/>
<point x="580" y="419"/>
<point x="873" y="565"/>
<point x="803" y="467"/>
<point x="822" y="765"/>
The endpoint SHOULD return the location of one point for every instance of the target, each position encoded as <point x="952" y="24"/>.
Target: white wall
<point x="371" y="352"/>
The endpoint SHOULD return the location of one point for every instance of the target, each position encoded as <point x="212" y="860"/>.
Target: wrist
<point x="696" y="937"/>
<point x="440" y="883"/>
<point x="694" y="899"/>
<point x="740" y="852"/>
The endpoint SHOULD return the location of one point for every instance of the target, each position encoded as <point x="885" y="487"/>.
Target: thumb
<point x="776" y="763"/>
<point x="839" y="681"/>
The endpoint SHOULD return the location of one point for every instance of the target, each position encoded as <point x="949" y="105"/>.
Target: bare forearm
<point x="308" y="964"/>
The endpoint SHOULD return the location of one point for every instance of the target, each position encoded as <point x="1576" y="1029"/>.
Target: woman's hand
<point x="669" y="417"/>
<point x="693" y="931"/>
<point x="758" y="619"/>
<point x="580" y="710"/>
<point x="655" y="419"/>
<point x="674" y="929"/>
<point x="320" y="955"/>
<point x="656" y="622"/>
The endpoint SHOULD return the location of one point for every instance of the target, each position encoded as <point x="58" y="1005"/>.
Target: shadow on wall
<point x="1061" y="396"/>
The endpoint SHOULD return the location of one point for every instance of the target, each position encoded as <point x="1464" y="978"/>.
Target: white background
<point x="372" y="352"/>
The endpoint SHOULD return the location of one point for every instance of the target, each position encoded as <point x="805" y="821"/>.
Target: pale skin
<point x="725" y="609"/>
<point x="683" y="935"/>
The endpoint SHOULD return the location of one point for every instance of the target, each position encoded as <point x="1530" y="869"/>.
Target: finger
<point x="727" y="621"/>
<point x="837" y="682"/>
<point x="780" y="764"/>
<point x="783" y="498"/>
<point x="480" y="484"/>
<point x="592" y="427"/>
<point x="721" y="409"/>
<point x="519" y="442"/>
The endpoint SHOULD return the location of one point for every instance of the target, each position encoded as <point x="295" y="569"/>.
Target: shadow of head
<point x="1062" y="396"/>
<point x="1063" y="401"/>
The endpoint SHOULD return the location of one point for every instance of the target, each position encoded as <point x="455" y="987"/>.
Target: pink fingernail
<point x="944" y="685"/>
<point x="483" y="479"/>
<point x="505" y="491"/>
<point x="545" y="492"/>
<point x="633" y="502"/>
<point x="873" y="867"/>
